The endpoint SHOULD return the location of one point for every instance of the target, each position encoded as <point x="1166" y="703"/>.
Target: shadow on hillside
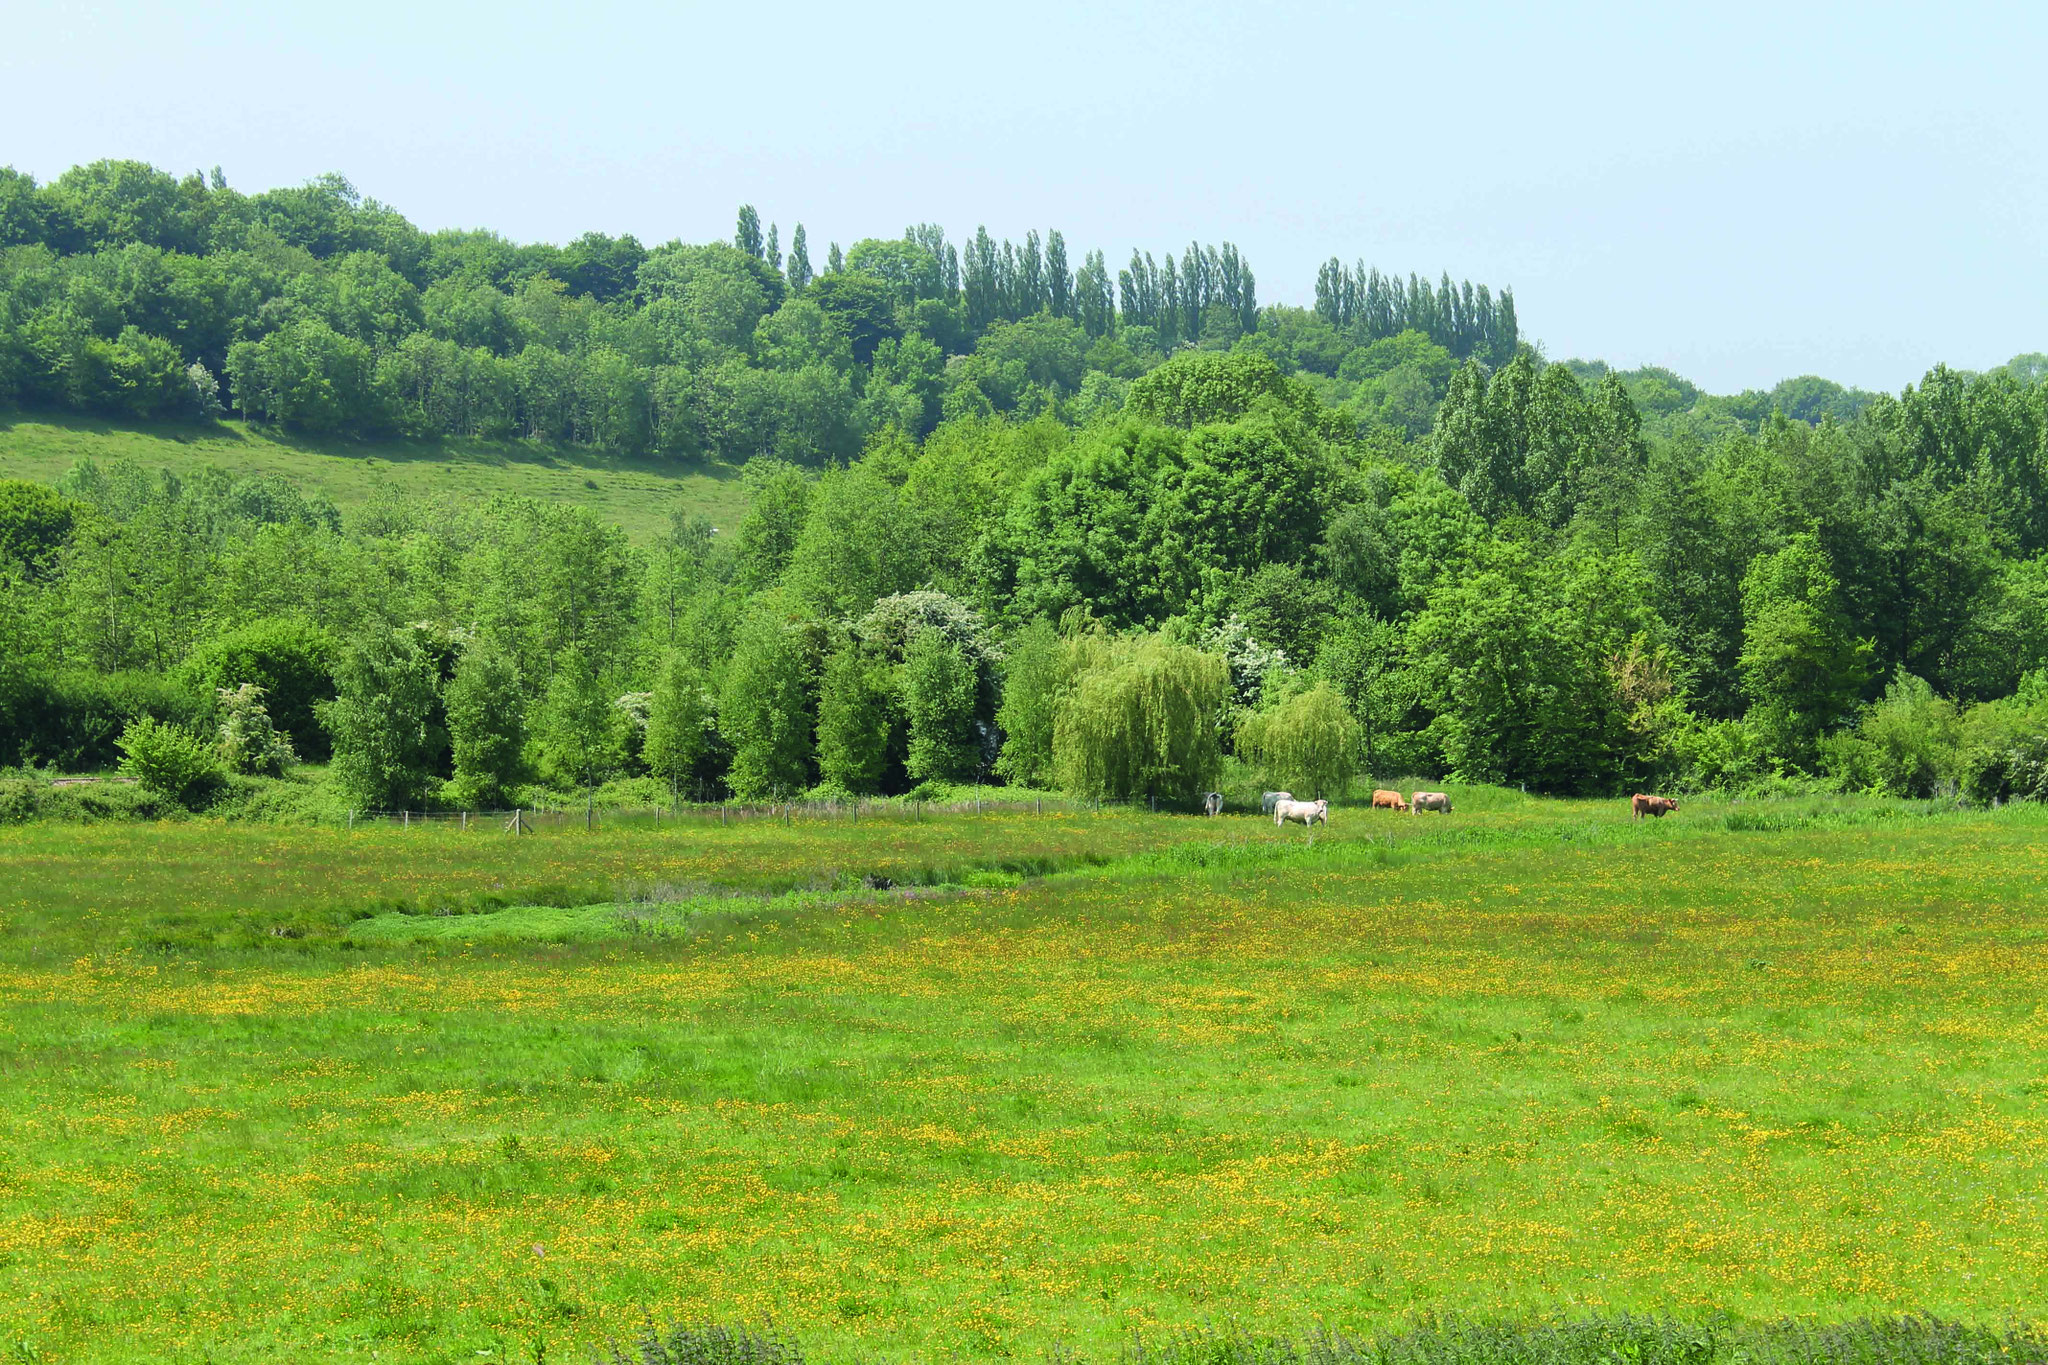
<point x="184" y="433"/>
<point x="496" y="454"/>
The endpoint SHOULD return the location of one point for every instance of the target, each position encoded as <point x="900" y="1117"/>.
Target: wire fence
<point x="532" y="819"/>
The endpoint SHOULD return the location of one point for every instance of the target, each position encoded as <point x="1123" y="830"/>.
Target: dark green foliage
<point x="765" y="707"/>
<point x="35" y="523"/>
<point x="391" y="748"/>
<point x="486" y="729"/>
<point x="1518" y="658"/>
<point x="940" y="689"/>
<point x="291" y="660"/>
<point x="71" y="719"/>
<point x="858" y="717"/>
<point x="1802" y="666"/>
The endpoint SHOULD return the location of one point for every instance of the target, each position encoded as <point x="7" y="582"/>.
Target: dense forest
<point x="1012" y="519"/>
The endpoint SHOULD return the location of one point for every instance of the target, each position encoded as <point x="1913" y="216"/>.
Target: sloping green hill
<point x="637" y="494"/>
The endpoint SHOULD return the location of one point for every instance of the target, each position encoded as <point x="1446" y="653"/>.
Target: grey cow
<point x="1272" y="799"/>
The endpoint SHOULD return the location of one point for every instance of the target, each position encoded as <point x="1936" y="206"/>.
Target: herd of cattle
<point x="1283" y="807"/>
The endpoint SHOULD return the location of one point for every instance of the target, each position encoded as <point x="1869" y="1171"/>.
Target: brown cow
<point x="1659" y="806"/>
<point x="1382" y="799"/>
<point x="1432" y="801"/>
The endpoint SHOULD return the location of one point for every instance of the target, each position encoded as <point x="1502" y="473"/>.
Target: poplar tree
<point x="799" y="269"/>
<point x="747" y="235"/>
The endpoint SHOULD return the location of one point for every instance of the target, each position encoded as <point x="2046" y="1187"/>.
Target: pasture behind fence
<point x="530" y="819"/>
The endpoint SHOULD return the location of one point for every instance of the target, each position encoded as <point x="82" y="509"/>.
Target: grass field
<point x="1092" y="1074"/>
<point x="635" y="494"/>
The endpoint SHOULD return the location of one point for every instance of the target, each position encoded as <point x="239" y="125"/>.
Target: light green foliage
<point x="578" y="731"/>
<point x="764" y="706"/>
<point x="486" y="728"/>
<point x="1802" y="666"/>
<point x="1516" y="656"/>
<point x="170" y="761"/>
<point x="389" y="727"/>
<point x="1140" y="720"/>
<point x="678" y="722"/>
<point x="1906" y="744"/>
<point x="248" y="742"/>
<point x="859" y="543"/>
<point x="1307" y="744"/>
<point x="940" y="690"/>
<point x="2003" y="746"/>
<point x="1035" y="676"/>
<point x="894" y="623"/>
<point x="768" y="534"/>
<point x="858" y="714"/>
<point x="1206" y="387"/>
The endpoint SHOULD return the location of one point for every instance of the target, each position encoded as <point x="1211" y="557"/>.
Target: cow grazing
<point x="1270" y="799"/>
<point x="1659" y="806"/>
<point x="1308" y="812"/>
<point x="1383" y="799"/>
<point x="1432" y="801"/>
<point x="1212" y="803"/>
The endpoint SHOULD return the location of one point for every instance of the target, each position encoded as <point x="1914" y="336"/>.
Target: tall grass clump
<point x="1621" y="1339"/>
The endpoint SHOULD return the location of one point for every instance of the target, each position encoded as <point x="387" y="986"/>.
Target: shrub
<point x="292" y="662"/>
<point x="1905" y="744"/>
<point x="249" y="743"/>
<point x="73" y="720"/>
<point x="170" y="761"/>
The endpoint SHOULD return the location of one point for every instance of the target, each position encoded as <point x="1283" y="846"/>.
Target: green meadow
<point x="948" y="1086"/>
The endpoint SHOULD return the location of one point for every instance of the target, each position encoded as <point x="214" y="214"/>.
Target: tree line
<point x="1304" y="548"/>
<point x="128" y="292"/>
<point x="1534" y="593"/>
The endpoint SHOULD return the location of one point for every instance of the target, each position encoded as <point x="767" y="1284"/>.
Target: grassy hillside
<point x="637" y="494"/>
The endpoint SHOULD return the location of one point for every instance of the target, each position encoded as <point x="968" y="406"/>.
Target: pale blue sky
<point x="1742" y="192"/>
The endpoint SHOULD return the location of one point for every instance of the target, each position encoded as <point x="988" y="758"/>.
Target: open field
<point x="638" y="495"/>
<point x="1782" y="1059"/>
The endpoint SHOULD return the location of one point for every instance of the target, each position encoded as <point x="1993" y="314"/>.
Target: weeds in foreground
<point x="1623" y="1339"/>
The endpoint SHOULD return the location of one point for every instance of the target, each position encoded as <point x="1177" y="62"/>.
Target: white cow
<point x="1267" y="801"/>
<point x="1308" y="812"/>
<point x="1212" y="803"/>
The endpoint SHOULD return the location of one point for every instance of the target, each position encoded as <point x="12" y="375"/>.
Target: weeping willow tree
<point x="1139" y="719"/>
<point x="1307" y="744"/>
